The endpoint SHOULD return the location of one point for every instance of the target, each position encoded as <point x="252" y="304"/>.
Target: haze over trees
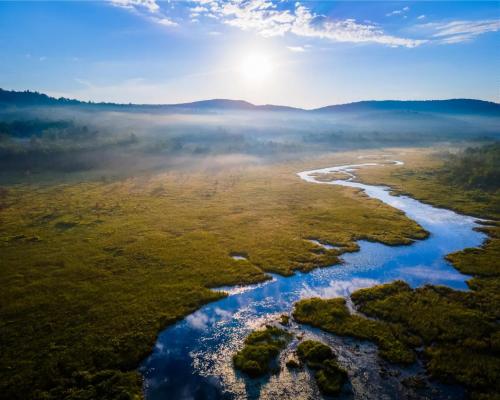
<point x="39" y="133"/>
<point x="474" y="168"/>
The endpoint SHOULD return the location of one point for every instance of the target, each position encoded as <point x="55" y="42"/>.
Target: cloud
<point x="164" y="21"/>
<point x="460" y="31"/>
<point x="338" y="288"/>
<point x="296" y="49"/>
<point x="199" y="9"/>
<point x="198" y="320"/>
<point x="269" y="18"/>
<point x="146" y="8"/>
<point x="349" y="30"/>
<point x="258" y="15"/>
<point x="431" y="275"/>
<point x="84" y="82"/>
<point x="398" y="12"/>
<point x="264" y="17"/>
<point x="149" y="5"/>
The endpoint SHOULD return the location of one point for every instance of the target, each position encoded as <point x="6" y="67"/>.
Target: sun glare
<point x="256" y="67"/>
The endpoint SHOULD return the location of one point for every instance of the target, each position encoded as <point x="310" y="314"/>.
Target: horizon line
<point x="97" y="102"/>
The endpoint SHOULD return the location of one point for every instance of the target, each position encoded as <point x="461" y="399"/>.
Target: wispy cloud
<point x="164" y="21"/>
<point x="270" y="18"/>
<point x="401" y="11"/>
<point x="296" y="49"/>
<point x="149" y="5"/>
<point x="460" y="31"/>
<point x="264" y="17"/>
<point x="349" y="30"/>
<point x="147" y="8"/>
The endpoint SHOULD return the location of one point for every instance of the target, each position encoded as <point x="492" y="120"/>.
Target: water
<point x="192" y="359"/>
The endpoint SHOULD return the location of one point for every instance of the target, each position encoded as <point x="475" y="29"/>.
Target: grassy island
<point x="461" y="341"/>
<point x="330" y="377"/>
<point x="333" y="316"/>
<point x="260" y="351"/>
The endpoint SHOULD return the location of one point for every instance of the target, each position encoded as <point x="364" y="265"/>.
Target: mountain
<point x="225" y="104"/>
<point x="452" y="106"/>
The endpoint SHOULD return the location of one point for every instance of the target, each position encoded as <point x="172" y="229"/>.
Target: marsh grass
<point x="329" y="376"/>
<point x="260" y="349"/>
<point x="461" y="341"/>
<point x="333" y="316"/>
<point x="459" y="330"/>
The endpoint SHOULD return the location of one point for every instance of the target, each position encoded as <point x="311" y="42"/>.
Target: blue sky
<point x="305" y="54"/>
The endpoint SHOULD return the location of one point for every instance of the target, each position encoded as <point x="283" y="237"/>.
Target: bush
<point x="261" y="348"/>
<point x="329" y="376"/>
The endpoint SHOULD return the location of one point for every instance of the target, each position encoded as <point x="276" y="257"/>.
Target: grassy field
<point x="459" y="330"/>
<point x="92" y="271"/>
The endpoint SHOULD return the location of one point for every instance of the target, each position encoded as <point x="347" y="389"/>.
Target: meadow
<point x="93" y="270"/>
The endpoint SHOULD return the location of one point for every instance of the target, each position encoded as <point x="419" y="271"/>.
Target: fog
<point x="113" y="139"/>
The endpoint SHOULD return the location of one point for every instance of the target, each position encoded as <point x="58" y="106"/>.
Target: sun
<point x="256" y="67"/>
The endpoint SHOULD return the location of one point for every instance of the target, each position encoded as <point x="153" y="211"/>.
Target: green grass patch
<point x="330" y="377"/>
<point x="260" y="351"/>
<point x="333" y="316"/>
<point x="461" y="339"/>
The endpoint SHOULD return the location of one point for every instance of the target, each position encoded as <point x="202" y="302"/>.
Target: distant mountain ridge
<point x="459" y="106"/>
<point x="450" y="105"/>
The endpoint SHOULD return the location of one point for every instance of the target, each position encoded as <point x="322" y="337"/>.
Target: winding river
<point x="192" y="359"/>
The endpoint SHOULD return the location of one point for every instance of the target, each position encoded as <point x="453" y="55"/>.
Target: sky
<point x="299" y="53"/>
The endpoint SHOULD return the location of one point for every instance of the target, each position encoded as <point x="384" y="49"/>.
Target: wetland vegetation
<point x="92" y="271"/>
<point x="329" y="376"/>
<point x="459" y="330"/>
<point x="333" y="316"/>
<point x="260" y="350"/>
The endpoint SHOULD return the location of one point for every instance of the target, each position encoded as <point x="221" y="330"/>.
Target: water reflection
<point x="192" y="359"/>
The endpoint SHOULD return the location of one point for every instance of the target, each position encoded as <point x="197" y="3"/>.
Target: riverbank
<point x="419" y="179"/>
<point x="459" y="330"/>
